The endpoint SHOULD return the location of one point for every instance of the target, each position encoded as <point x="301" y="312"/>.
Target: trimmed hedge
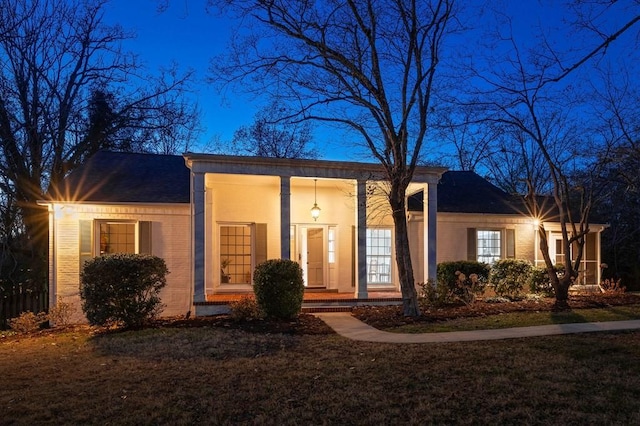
<point x="446" y="272"/>
<point x="457" y="281"/>
<point x="122" y="289"/>
<point x="279" y="287"/>
<point x="509" y="277"/>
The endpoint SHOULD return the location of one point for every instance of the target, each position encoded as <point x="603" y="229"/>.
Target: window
<point x="98" y="237"/>
<point x="235" y="253"/>
<point x="331" y="242"/>
<point x="117" y="237"/>
<point x="489" y="247"/>
<point x="379" y="256"/>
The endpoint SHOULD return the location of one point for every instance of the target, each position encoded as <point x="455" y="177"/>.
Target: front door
<point x="315" y="257"/>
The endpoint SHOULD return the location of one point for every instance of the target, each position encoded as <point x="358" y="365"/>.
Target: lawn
<point x="222" y="375"/>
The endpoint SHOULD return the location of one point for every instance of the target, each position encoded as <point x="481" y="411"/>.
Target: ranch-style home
<point x="213" y="218"/>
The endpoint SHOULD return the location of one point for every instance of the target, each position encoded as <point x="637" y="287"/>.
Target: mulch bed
<point x="382" y="317"/>
<point x="303" y="324"/>
<point x="391" y="316"/>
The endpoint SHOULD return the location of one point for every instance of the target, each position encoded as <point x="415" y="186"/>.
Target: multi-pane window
<point x="489" y="246"/>
<point x="117" y="237"/>
<point x="235" y="254"/>
<point x="379" y="255"/>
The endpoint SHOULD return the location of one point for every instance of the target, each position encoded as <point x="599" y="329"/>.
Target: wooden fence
<point x="18" y="300"/>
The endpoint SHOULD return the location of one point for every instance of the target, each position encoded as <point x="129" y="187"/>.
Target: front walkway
<point x="350" y="327"/>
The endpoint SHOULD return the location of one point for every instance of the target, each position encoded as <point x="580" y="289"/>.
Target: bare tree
<point x="68" y="90"/>
<point x="368" y="65"/>
<point x="556" y="156"/>
<point x="619" y="119"/>
<point x="272" y="134"/>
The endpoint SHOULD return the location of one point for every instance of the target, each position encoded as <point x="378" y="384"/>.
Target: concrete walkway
<point x="348" y="326"/>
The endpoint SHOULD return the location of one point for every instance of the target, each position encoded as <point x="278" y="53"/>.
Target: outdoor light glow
<point x="315" y="210"/>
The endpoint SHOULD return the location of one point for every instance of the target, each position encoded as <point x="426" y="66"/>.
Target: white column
<point x="598" y="257"/>
<point x="430" y="206"/>
<point x="198" y="235"/>
<point x="361" y="232"/>
<point x="285" y="217"/>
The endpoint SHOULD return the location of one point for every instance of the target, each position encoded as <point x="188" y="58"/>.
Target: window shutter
<point x="261" y="243"/>
<point x="86" y="242"/>
<point x="472" y="244"/>
<point x="144" y="237"/>
<point x="511" y="244"/>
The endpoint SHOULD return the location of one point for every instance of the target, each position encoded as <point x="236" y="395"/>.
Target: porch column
<point x="361" y="212"/>
<point x="285" y="217"/>
<point x="198" y="235"/>
<point x="430" y="201"/>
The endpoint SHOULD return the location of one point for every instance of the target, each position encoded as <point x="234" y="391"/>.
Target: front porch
<point x="326" y="301"/>
<point x="246" y="210"/>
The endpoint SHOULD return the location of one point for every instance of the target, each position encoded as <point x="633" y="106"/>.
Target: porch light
<point x="315" y="210"/>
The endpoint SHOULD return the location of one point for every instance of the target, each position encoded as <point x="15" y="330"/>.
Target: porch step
<point x="581" y="288"/>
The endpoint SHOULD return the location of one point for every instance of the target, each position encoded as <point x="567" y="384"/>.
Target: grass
<point x="523" y="319"/>
<point x="214" y="375"/>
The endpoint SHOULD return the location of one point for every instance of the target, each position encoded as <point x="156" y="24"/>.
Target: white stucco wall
<point x="170" y="241"/>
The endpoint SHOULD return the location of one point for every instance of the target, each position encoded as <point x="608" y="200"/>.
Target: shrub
<point x="435" y="295"/>
<point x="509" y="276"/>
<point x="457" y="281"/>
<point x="122" y="289"/>
<point x="60" y="315"/>
<point x="279" y="288"/>
<point x="539" y="282"/>
<point x="28" y="322"/>
<point x="446" y="271"/>
<point x="612" y="286"/>
<point x="245" y="309"/>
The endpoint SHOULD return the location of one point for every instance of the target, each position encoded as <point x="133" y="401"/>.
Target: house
<point x="212" y="218"/>
<point x="478" y="221"/>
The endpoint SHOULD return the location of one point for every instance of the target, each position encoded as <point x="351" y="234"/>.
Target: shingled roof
<point x="467" y="192"/>
<point x="121" y="177"/>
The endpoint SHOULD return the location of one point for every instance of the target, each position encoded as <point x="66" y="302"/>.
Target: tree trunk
<point x="410" y="306"/>
<point x="562" y="293"/>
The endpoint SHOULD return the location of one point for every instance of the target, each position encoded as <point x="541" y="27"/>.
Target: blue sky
<point x="186" y="34"/>
<point x="189" y="36"/>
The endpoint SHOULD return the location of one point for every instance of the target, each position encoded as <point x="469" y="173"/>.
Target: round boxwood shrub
<point x="509" y="276"/>
<point x="122" y="289"/>
<point x="278" y="286"/>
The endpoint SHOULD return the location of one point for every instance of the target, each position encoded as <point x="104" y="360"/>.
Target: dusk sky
<point x="186" y="34"/>
<point x="189" y="36"/>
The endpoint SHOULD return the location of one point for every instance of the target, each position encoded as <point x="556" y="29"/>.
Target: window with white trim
<point x="379" y="256"/>
<point x="117" y="237"/>
<point x="235" y="253"/>
<point x="489" y="246"/>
